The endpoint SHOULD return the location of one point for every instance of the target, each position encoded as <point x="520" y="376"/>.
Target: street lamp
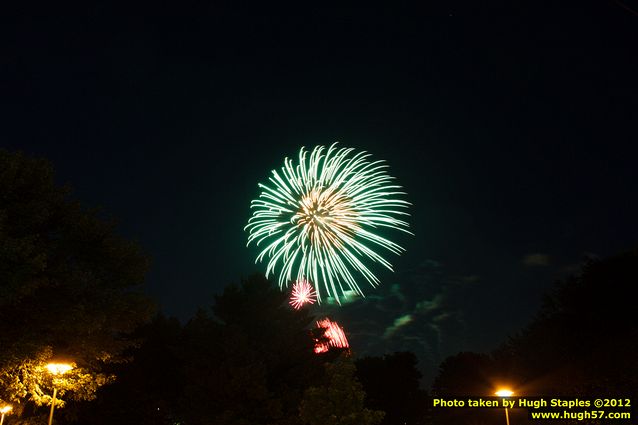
<point x="56" y="369"/>
<point x="504" y="392"/>
<point x="4" y="410"/>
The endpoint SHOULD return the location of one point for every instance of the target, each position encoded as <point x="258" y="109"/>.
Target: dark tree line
<point x="250" y="360"/>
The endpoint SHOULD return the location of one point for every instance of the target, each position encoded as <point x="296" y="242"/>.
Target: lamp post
<point x="56" y="369"/>
<point x="501" y="393"/>
<point x="4" y="410"/>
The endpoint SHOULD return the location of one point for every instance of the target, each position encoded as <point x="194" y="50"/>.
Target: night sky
<point x="511" y="126"/>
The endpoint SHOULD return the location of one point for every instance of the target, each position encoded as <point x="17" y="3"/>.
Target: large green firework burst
<point x="319" y="219"/>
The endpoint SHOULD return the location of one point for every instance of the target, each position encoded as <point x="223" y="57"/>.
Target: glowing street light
<point x="4" y="410"/>
<point x="504" y="392"/>
<point x="56" y="369"/>
<point x="59" y="368"/>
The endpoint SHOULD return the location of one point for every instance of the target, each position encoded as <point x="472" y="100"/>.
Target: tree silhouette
<point x="147" y="388"/>
<point x="246" y="361"/>
<point x="339" y="400"/>
<point x="584" y="340"/>
<point x="257" y="361"/>
<point x="67" y="281"/>
<point x="391" y="384"/>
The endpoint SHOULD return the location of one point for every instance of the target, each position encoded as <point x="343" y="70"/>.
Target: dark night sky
<point x="512" y="127"/>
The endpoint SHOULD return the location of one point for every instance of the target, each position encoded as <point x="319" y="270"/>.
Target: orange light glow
<point x="59" y="368"/>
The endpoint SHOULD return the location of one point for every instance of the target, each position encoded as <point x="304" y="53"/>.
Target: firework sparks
<point x="320" y="219"/>
<point x="302" y="293"/>
<point x="335" y="335"/>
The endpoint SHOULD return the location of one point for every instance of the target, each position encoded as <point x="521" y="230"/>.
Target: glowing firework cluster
<point x="319" y="219"/>
<point x="335" y="336"/>
<point x="302" y="293"/>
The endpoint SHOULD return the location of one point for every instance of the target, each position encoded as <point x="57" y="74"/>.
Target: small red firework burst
<point x="335" y="335"/>
<point x="302" y="293"/>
